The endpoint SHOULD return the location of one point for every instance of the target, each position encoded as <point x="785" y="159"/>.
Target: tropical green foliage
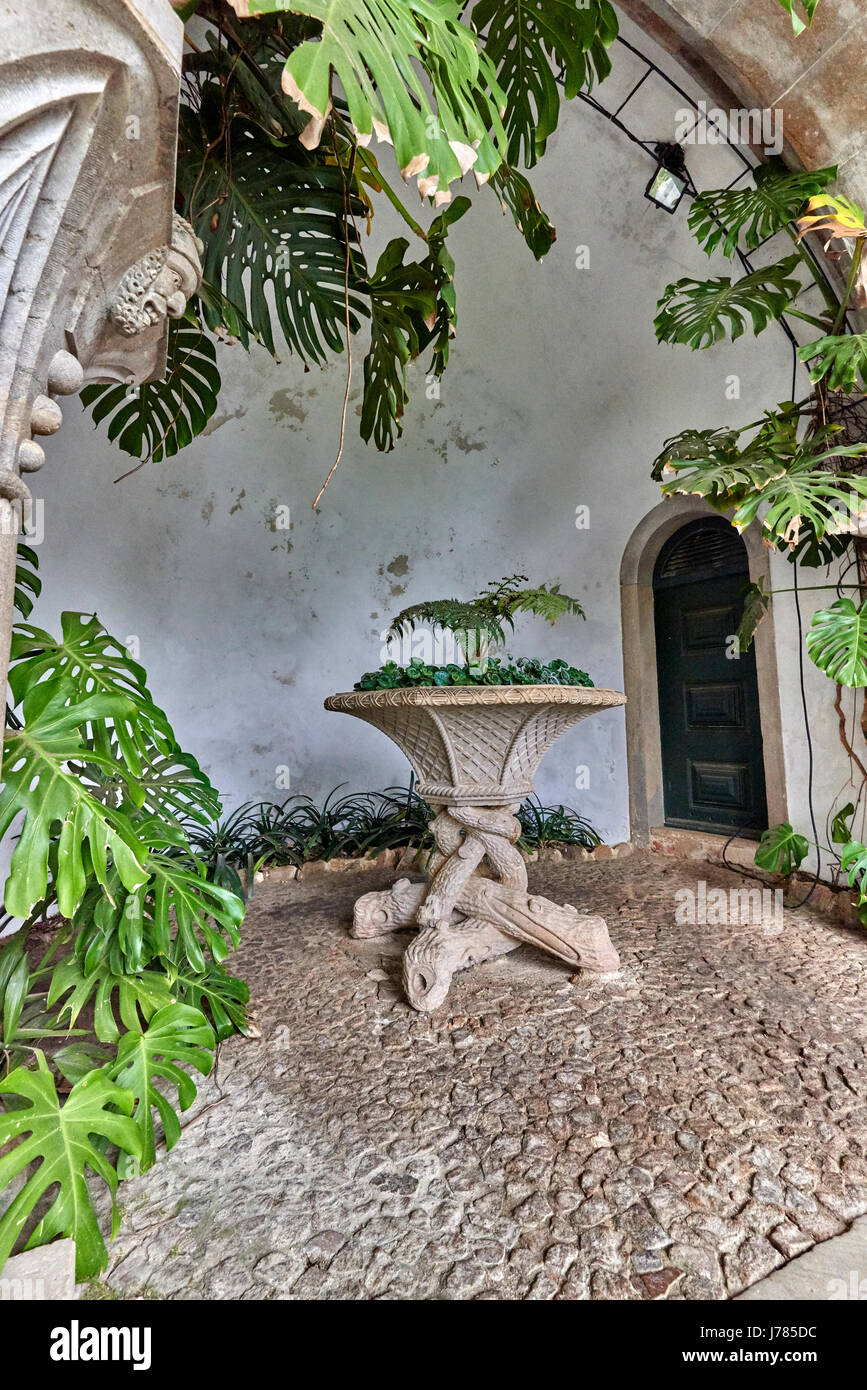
<point x="478" y="622"/>
<point x="105" y="864"/>
<point x="781" y="850"/>
<point x="276" y="175"/>
<point x="702" y="312"/>
<point x="56" y="1148"/>
<point x="516" y="196"/>
<point x="853" y="858"/>
<point x="837" y="642"/>
<point x="276" y="171"/>
<point x="440" y="328"/>
<point x="775" y="471"/>
<point x="380" y="53"/>
<point x="730" y="217"/>
<point x="786" y="471"/>
<point x="841" y="824"/>
<point x="839" y="362"/>
<point x="275" y="229"/>
<point x="156" y="420"/>
<point x="529" y="43"/>
<point x="176" y="1034"/>
<point x="403" y="302"/>
<point x="756" y="601"/>
<point x="298" y="831"/>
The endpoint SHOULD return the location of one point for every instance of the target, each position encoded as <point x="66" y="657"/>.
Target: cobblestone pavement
<point x="678" y="1130"/>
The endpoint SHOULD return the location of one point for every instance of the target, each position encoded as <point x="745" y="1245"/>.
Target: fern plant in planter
<point x="474" y="734"/>
<point x="102" y="800"/>
<point x="475" y="626"/>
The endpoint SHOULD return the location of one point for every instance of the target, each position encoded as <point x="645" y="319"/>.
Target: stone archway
<point x="643" y="745"/>
<point x="746" y="55"/>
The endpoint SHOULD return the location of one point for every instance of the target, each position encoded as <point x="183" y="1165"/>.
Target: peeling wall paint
<point x="557" y="396"/>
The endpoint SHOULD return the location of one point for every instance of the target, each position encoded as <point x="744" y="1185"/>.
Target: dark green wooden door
<point x="713" y="774"/>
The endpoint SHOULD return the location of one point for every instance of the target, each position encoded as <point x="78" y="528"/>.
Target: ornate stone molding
<point x="158" y="286"/>
<point x="748" y="56"/>
<point x="88" y="130"/>
<point x="475" y="745"/>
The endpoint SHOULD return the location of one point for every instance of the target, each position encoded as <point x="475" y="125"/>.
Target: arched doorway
<point x="640" y="680"/>
<point x="710" y="728"/>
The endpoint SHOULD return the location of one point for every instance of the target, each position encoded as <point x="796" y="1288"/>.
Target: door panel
<point x="713" y="773"/>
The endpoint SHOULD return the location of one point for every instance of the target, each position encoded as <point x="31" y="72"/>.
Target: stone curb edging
<point x="413" y="860"/>
<point x="839" y="903"/>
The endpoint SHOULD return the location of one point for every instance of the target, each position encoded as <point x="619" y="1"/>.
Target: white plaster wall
<point x="557" y="396"/>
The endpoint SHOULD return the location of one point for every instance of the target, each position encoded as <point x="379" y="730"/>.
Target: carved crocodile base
<point x="465" y="918"/>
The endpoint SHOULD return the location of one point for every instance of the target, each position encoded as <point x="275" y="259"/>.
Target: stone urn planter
<point x="474" y="750"/>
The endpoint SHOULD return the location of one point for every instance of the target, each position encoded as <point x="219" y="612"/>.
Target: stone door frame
<point x="643" y="743"/>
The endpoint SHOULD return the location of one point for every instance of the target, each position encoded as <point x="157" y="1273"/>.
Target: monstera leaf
<point x="181" y="906"/>
<point x="171" y="786"/>
<point x="720" y="476"/>
<point x="28" y="585"/>
<point x="720" y="216"/>
<point x="38" y="782"/>
<point x="440" y="265"/>
<point x="775" y="471"/>
<point x="177" y="1034"/>
<point x="780" y="850"/>
<point x="59" y="1141"/>
<point x="528" y="41"/>
<point x="756" y="604"/>
<point x="708" y="447"/>
<point x="803" y="496"/>
<point x="274" y="231"/>
<point x="88" y="661"/>
<point x="249" y="71"/>
<point x="837" y="642"/>
<point x="130" y="998"/>
<point x="154" y="421"/>
<point x="177" y="913"/>
<point x="703" y="312"/>
<point x="110" y="929"/>
<point x="174" y="785"/>
<point x="853" y="860"/>
<point x="403" y="301"/>
<point x="840" y="362"/>
<point x="841" y="825"/>
<point x="382" y="53"/>
<point x="216" y="992"/>
<point x="516" y="196"/>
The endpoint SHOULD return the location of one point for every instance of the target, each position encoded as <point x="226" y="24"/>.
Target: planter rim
<point x="472" y="695"/>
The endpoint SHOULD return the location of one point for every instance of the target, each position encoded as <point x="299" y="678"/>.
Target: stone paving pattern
<point x="678" y="1130"/>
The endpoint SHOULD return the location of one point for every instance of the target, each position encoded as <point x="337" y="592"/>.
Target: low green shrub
<point x="363" y="823"/>
<point x="495" y="670"/>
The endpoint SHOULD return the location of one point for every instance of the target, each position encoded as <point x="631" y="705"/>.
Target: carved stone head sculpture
<point x="158" y="286"/>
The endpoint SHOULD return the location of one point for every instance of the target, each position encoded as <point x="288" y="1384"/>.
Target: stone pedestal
<point x="474" y="751"/>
